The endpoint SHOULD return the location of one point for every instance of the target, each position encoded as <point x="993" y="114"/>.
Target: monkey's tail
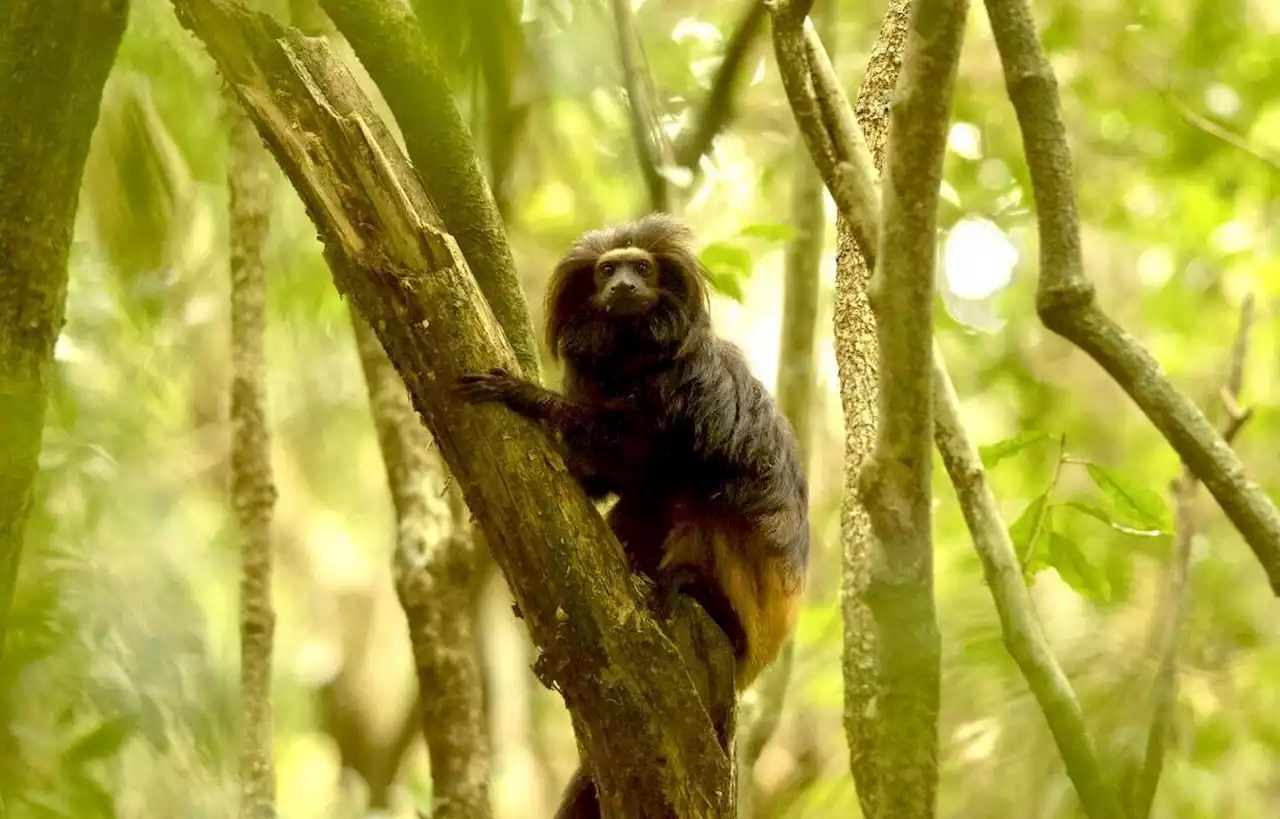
<point x="579" y="800"/>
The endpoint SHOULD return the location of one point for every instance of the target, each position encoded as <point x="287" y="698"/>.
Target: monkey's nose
<point x="625" y="287"/>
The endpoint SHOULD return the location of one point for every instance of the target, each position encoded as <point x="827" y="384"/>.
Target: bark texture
<point x="54" y="59"/>
<point x="895" y="485"/>
<point x="435" y="566"/>
<point x="1067" y="302"/>
<point x="857" y="357"/>
<point x="636" y="700"/>
<point x="392" y="48"/>
<point x="253" y="492"/>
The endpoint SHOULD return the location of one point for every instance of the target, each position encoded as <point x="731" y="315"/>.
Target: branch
<point x="1021" y="629"/>
<point x="1066" y="300"/>
<point x="253" y="491"/>
<point x="694" y="142"/>
<point x="1023" y="636"/>
<point x="434" y="567"/>
<point x="54" y="61"/>
<point x="857" y="354"/>
<point x="827" y="124"/>
<point x="1142" y="791"/>
<point x="895" y="484"/>
<point x="644" y="129"/>
<point x="388" y="41"/>
<point x="635" y="700"/>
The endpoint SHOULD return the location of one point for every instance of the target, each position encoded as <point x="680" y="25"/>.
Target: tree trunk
<point x="54" y="59"/>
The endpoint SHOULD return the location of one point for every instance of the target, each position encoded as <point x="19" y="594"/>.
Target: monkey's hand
<point x="500" y="386"/>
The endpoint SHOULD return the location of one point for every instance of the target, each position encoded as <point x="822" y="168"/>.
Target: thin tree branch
<point x="644" y="128"/>
<point x="1023" y="636"/>
<point x="1022" y="633"/>
<point x="634" y="697"/>
<point x="434" y="568"/>
<point x="695" y="141"/>
<point x="389" y="43"/>
<point x="253" y="492"/>
<point x="1067" y="302"/>
<point x="827" y="123"/>
<point x="1168" y="628"/>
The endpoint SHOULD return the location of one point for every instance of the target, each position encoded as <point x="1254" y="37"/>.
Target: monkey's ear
<point x="571" y="287"/>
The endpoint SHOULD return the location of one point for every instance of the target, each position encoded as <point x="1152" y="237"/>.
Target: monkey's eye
<point x="642" y="267"/>
<point x="606" y="269"/>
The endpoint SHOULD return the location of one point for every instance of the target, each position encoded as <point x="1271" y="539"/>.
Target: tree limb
<point x="434" y="568"/>
<point x="392" y="47"/>
<point x="54" y="60"/>
<point x="253" y="491"/>
<point x="1021" y="629"/>
<point x="1067" y="304"/>
<point x="1168" y="628"/>
<point x="1023" y="636"/>
<point x="635" y="700"/>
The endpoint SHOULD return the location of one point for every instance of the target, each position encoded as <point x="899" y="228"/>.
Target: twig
<point x="1168" y="628"/>
<point x="1067" y="303"/>
<point x="644" y="129"/>
<point x="253" y="492"/>
<point x="1021" y="628"/>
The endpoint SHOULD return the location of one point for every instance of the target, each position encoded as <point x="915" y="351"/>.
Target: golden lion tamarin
<point x="712" y="500"/>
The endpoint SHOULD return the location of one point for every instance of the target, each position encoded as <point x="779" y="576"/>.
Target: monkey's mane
<point x="578" y="330"/>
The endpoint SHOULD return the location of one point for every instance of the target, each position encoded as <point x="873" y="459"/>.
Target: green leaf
<point x="993" y="454"/>
<point x="1098" y="513"/>
<point x="1028" y="526"/>
<point x="102" y="741"/>
<point x="1136" y="506"/>
<point x="769" y="232"/>
<point x="727" y="266"/>
<point x="1074" y="568"/>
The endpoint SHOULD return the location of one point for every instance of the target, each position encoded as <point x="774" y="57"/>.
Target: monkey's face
<point x="626" y="281"/>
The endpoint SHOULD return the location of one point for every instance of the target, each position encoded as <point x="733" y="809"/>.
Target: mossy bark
<point x="54" y="59"/>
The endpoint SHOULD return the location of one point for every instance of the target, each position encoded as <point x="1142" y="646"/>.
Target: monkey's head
<point x="631" y="290"/>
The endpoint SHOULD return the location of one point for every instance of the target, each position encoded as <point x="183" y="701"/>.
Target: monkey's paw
<point x="495" y="385"/>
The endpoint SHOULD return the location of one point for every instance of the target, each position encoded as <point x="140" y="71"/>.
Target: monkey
<point x="659" y="411"/>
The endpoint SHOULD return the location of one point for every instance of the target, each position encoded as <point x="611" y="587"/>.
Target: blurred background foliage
<point x="117" y="690"/>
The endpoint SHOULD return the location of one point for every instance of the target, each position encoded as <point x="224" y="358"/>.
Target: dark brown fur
<point x="712" y="499"/>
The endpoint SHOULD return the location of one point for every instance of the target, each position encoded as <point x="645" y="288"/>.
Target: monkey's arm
<point x="585" y="431"/>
